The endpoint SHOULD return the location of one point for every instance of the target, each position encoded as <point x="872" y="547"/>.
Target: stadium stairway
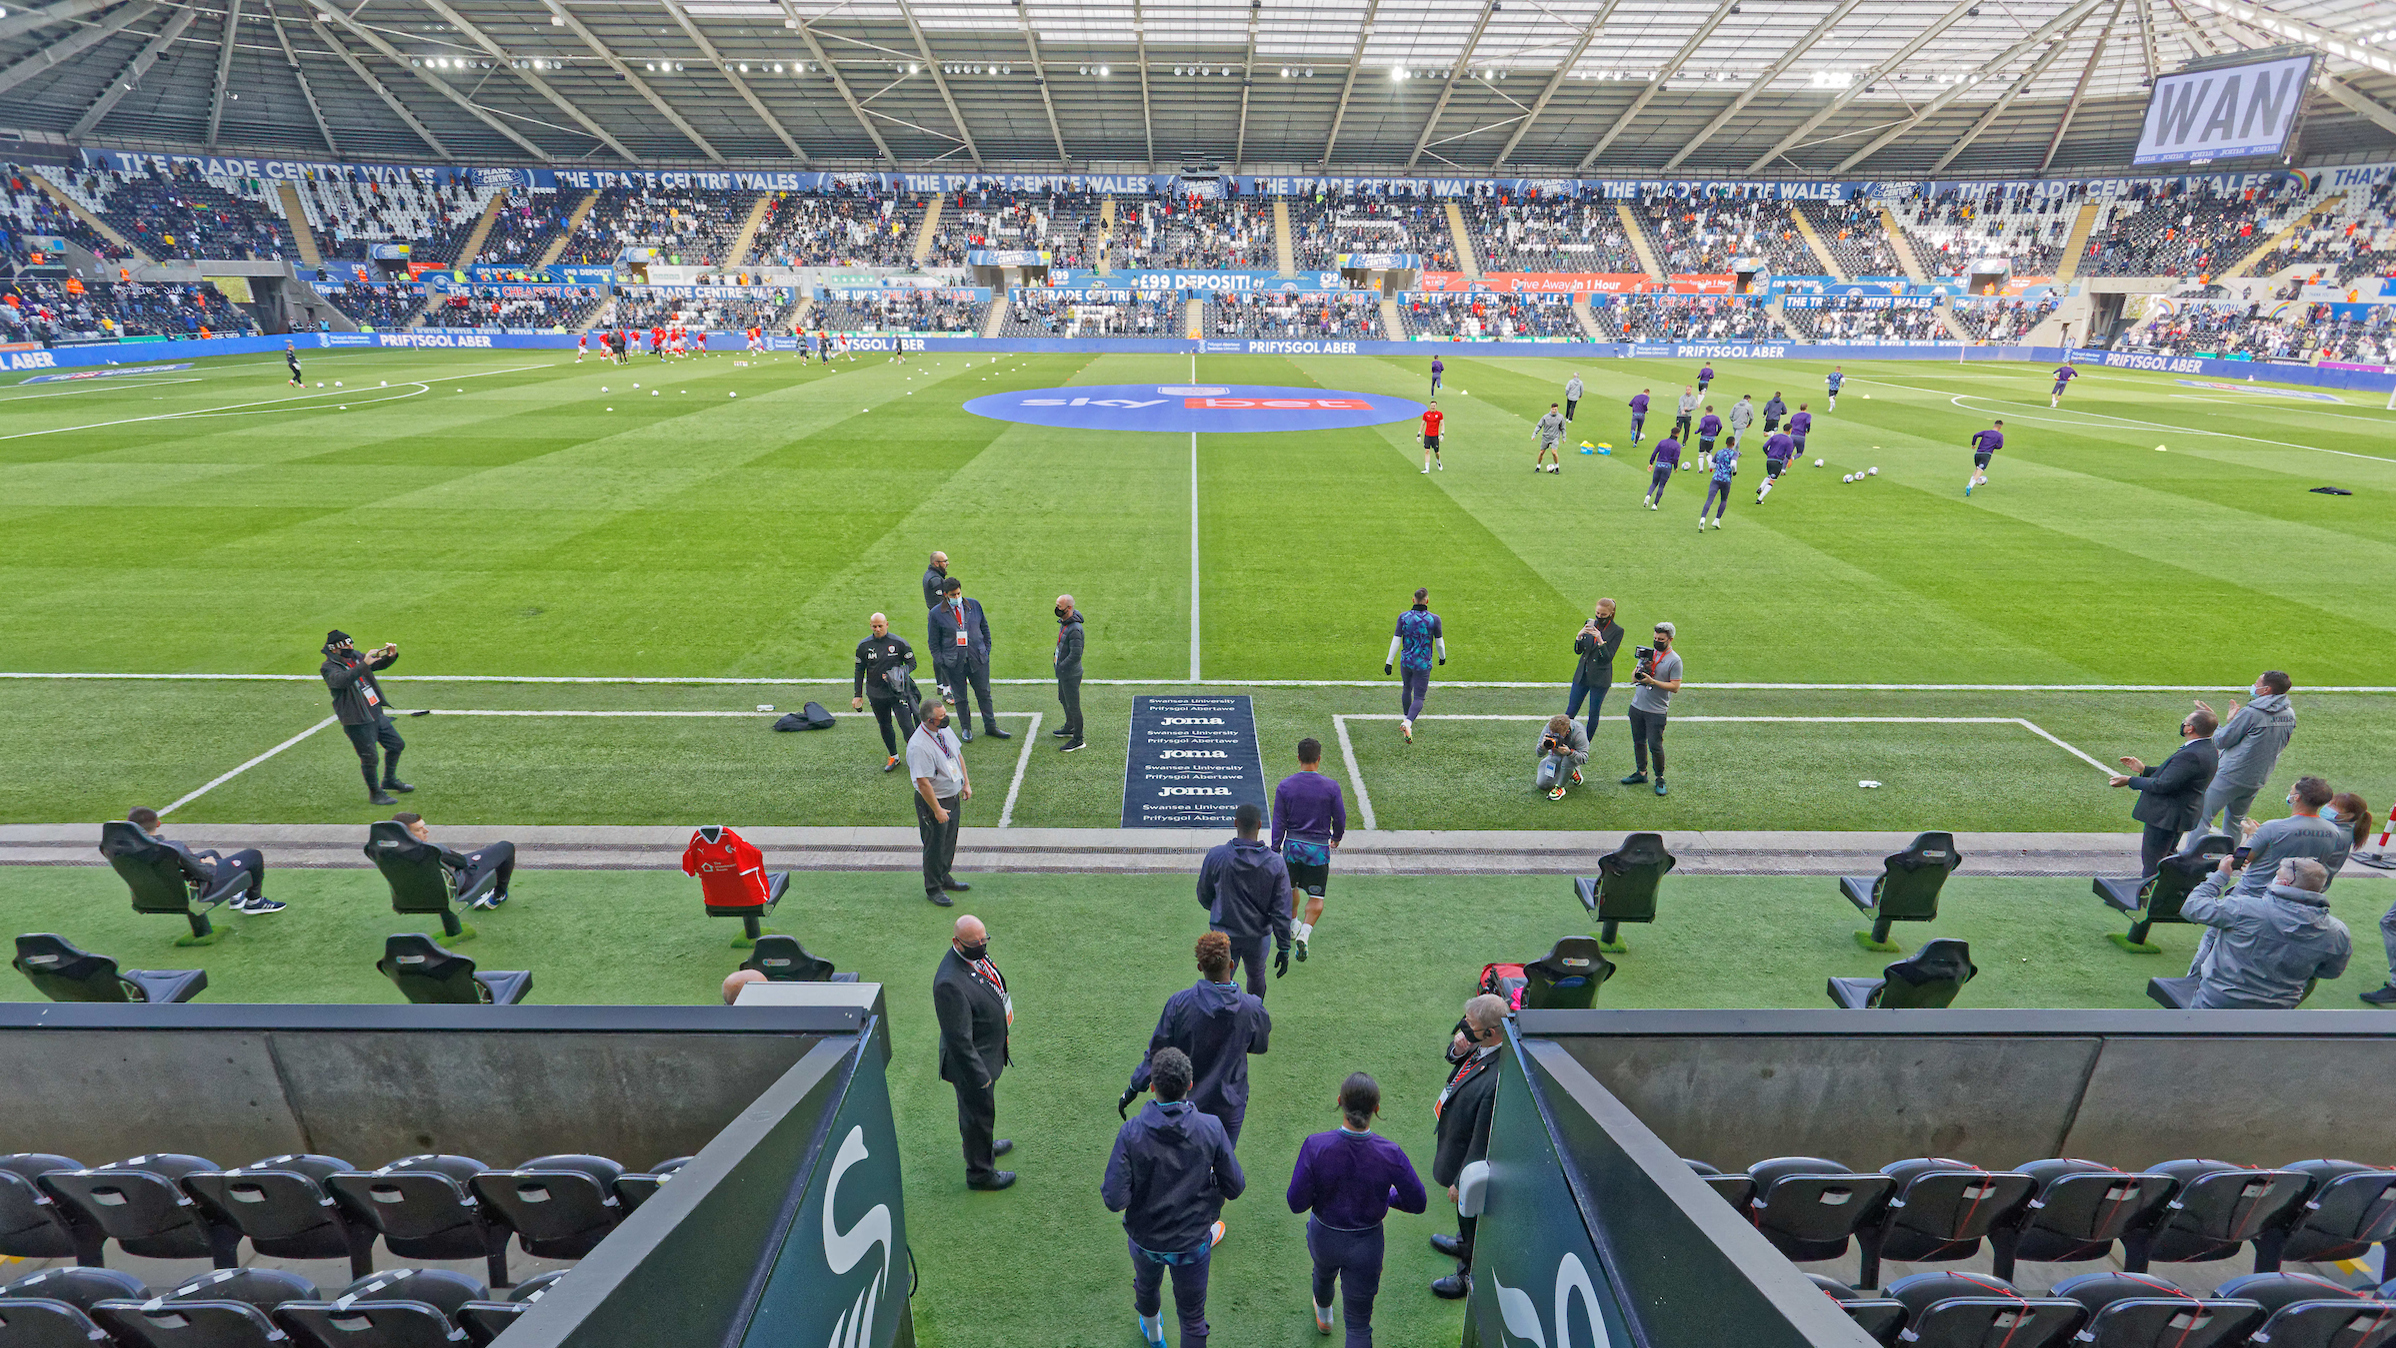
<point x="1902" y="247"/>
<point x="2075" y="244"/>
<point x="473" y="246"/>
<point x="296" y="216"/>
<point x="739" y="252"/>
<point x="565" y="237"/>
<point x="1637" y="234"/>
<point x="1821" y="251"/>
<point x="929" y="230"/>
<point x="1193" y="317"/>
<point x="1106" y="237"/>
<point x="2287" y="232"/>
<point x="93" y="222"/>
<point x="1587" y="320"/>
<point x="1284" y="255"/>
<point x="1467" y="261"/>
<point x="996" y="324"/>
<point x="1392" y="326"/>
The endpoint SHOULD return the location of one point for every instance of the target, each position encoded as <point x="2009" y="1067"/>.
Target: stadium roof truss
<point x="1691" y="88"/>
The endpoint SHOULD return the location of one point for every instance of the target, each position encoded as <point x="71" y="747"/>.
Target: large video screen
<point x="2224" y="111"/>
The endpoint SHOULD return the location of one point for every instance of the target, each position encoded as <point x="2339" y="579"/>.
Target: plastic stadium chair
<point x="2310" y="1312"/>
<point x="1624" y="888"/>
<point x="1735" y="1189"/>
<point x="2218" y="1207"/>
<point x="283" y="1206"/>
<point x="2157" y="898"/>
<point x="53" y="1308"/>
<point x="154" y="872"/>
<point x="229" y="1308"/>
<point x="1567" y="977"/>
<point x="1808" y="1206"/>
<point x="421" y="883"/>
<point x="2180" y="993"/>
<point x="1906" y="890"/>
<point x="783" y="960"/>
<point x="484" y="1321"/>
<point x="1881" y="1318"/>
<point x="399" y="1308"/>
<point x="424" y="972"/>
<point x="2139" y="1310"/>
<point x="1930" y="980"/>
<point x="32" y="1225"/>
<point x="140" y="1203"/>
<point x="559" y="1206"/>
<point x="638" y="1189"/>
<point x="2080" y="1209"/>
<point x="2351" y="1208"/>
<point x="752" y="916"/>
<point x="424" y="1208"/>
<point x="1939" y="1213"/>
<point x="1973" y="1310"/>
<point x="63" y="973"/>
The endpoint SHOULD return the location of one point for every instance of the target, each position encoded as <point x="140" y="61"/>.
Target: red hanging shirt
<point x="731" y="870"/>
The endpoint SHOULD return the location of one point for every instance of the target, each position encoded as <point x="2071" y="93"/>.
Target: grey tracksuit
<point x="2250" y="744"/>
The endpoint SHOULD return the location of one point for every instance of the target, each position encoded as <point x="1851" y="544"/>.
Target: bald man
<point x="969" y="998"/>
<point x="738" y="979"/>
<point x="1464" y="1110"/>
<point x="1069" y="672"/>
<point x="885" y="666"/>
<point x="934" y="577"/>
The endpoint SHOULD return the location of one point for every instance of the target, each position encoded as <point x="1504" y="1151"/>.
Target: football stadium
<point x="699" y="573"/>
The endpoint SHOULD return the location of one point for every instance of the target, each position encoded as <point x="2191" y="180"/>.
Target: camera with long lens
<point x="1647" y="662"/>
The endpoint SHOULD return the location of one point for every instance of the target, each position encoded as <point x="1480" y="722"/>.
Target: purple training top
<point x="1709" y="426"/>
<point x="1780" y="446"/>
<point x="1706" y="375"/>
<point x="1800" y="424"/>
<point x="1436" y="367"/>
<point x="1988" y="441"/>
<point x="1667" y="454"/>
<point x="2064" y="373"/>
<point x="1638" y="404"/>
<point x="1352" y="1180"/>
<point x="1308" y="806"/>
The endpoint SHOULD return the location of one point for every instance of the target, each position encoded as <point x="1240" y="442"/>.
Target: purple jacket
<point x="1351" y="1180"/>
<point x="1709" y="426"/>
<point x="1800" y="424"/>
<point x="1780" y="446"/>
<point x="1667" y="453"/>
<point x="1988" y="441"/>
<point x="1308" y="806"/>
<point x="1706" y="375"/>
<point x="1638" y="404"/>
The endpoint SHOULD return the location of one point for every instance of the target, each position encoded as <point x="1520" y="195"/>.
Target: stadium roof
<point x="1689" y="88"/>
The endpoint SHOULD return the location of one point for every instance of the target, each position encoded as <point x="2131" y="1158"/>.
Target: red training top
<point x="1431" y="420"/>
<point x="731" y="870"/>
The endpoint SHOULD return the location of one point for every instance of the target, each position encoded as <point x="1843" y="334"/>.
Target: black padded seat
<point x="1808" y="1206"/>
<point x="422" y="885"/>
<point x="1907" y="888"/>
<point x="2311" y="1312"/>
<point x="282" y="1205"/>
<point x="63" y="973"/>
<point x="560" y="1207"/>
<point x="32" y="1225"/>
<point x="2079" y="1210"/>
<point x="2140" y="1310"/>
<point x="1974" y="1310"/>
<point x="638" y="1189"/>
<point x="225" y="1308"/>
<point x="1880" y="1318"/>
<point x="2156" y="898"/>
<point x="1567" y="976"/>
<point x="1928" y="981"/>
<point x="1735" y="1189"/>
<point x="2217" y="1208"/>
<point x="83" y="1288"/>
<point x="397" y="1308"/>
<point x="139" y="1202"/>
<point x="1624" y="888"/>
<point x="424" y="1208"/>
<point x="427" y="974"/>
<point x="35" y="1322"/>
<point x="1940" y="1212"/>
<point x="155" y="873"/>
<point x="484" y="1321"/>
<point x="2350" y="1208"/>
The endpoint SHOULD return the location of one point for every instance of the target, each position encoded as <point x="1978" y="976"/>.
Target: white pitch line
<point x="2109" y="422"/>
<point x="229" y="776"/>
<point x="1023" y="760"/>
<point x="234" y="407"/>
<point x="99" y="388"/>
<point x="1194" y="678"/>
<point x="709" y="681"/>
<point x="1347" y="750"/>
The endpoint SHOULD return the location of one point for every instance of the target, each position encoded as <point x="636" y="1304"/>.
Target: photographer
<point x="1563" y="748"/>
<point x="1658" y="678"/>
<point x="885" y="664"/>
<point x="1593" y="675"/>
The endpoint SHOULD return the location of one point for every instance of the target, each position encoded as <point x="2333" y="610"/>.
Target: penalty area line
<point x="223" y="778"/>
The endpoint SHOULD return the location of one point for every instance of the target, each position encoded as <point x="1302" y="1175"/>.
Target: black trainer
<point x="1073" y="746"/>
<point x="1634" y="779"/>
<point x="2381" y="996"/>
<point x="954" y="885"/>
<point x="997" y="734"/>
<point x="1062" y="732"/>
<point x="380" y="797"/>
<point x="939" y="898"/>
<point x="403" y="787"/>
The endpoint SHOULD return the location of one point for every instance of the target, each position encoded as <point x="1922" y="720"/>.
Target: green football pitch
<point x="515" y="514"/>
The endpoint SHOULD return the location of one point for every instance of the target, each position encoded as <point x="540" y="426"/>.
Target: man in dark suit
<point x="2171" y="798"/>
<point x="1464" y="1110"/>
<point x="970" y="998"/>
<point x="935" y="576"/>
<point x="961" y="656"/>
<point x="209" y="867"/>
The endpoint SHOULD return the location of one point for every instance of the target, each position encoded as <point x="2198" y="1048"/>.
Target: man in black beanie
<point x="358" y="701"/>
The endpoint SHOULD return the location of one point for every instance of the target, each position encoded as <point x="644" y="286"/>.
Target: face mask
<point x="974" y="952"/>
<point x="1063" y="614"/>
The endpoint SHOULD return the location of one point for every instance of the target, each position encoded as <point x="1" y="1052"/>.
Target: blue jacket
<point x="1218" y="1026"/>
<point x="1245" y="888"/>
<point x="943" y="630"/>
<point x="1170" y="1175"/>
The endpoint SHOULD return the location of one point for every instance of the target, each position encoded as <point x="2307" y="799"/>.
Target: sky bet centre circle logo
<point x="1228" y="408"/>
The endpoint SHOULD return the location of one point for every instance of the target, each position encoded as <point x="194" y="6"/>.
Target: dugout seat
<point x="228" y="1308"/>
<point x="1735" y="1189"/>
<point x="398" y="1308"/>
<point x="1930" y="980"/>
<point x="424" y="972"/>
<point x="2139" y="1310"/>
<point x="424" y="1208"/>
<point x="1906" y="890"/>
<point x="1567" y="977"/>
<point x="638" y="1189"/>
<point x="2079" y="1210"/>
<point x="1939" y="1213"/>
<point x="752" y="916"/>
<point x="484" y="1321"/>
<point x="139" y="1202"/>
<point x="421" y="883"/>
<point x="64" y="973"/>
<point x="783" y="960"/>
<point x="32" y="1224"/>
<point x="1974" y="1310"/>
<point x="559" y="1206"/>
<point x="2217" y="1208"/>
<point x="2157" y="898"/>
<point x="283" y="1206"/>
<point x="2309" y="1312"/>
<point x="1808" y="1206"/>
<point x="1880" y="1318"/>
<point x="1624" y="888"/>
<point x="2350" y="1208"/>
<point x="2179" y="993"/>
<point x="154" y="872"/>
<point x="52" y="1309"/>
